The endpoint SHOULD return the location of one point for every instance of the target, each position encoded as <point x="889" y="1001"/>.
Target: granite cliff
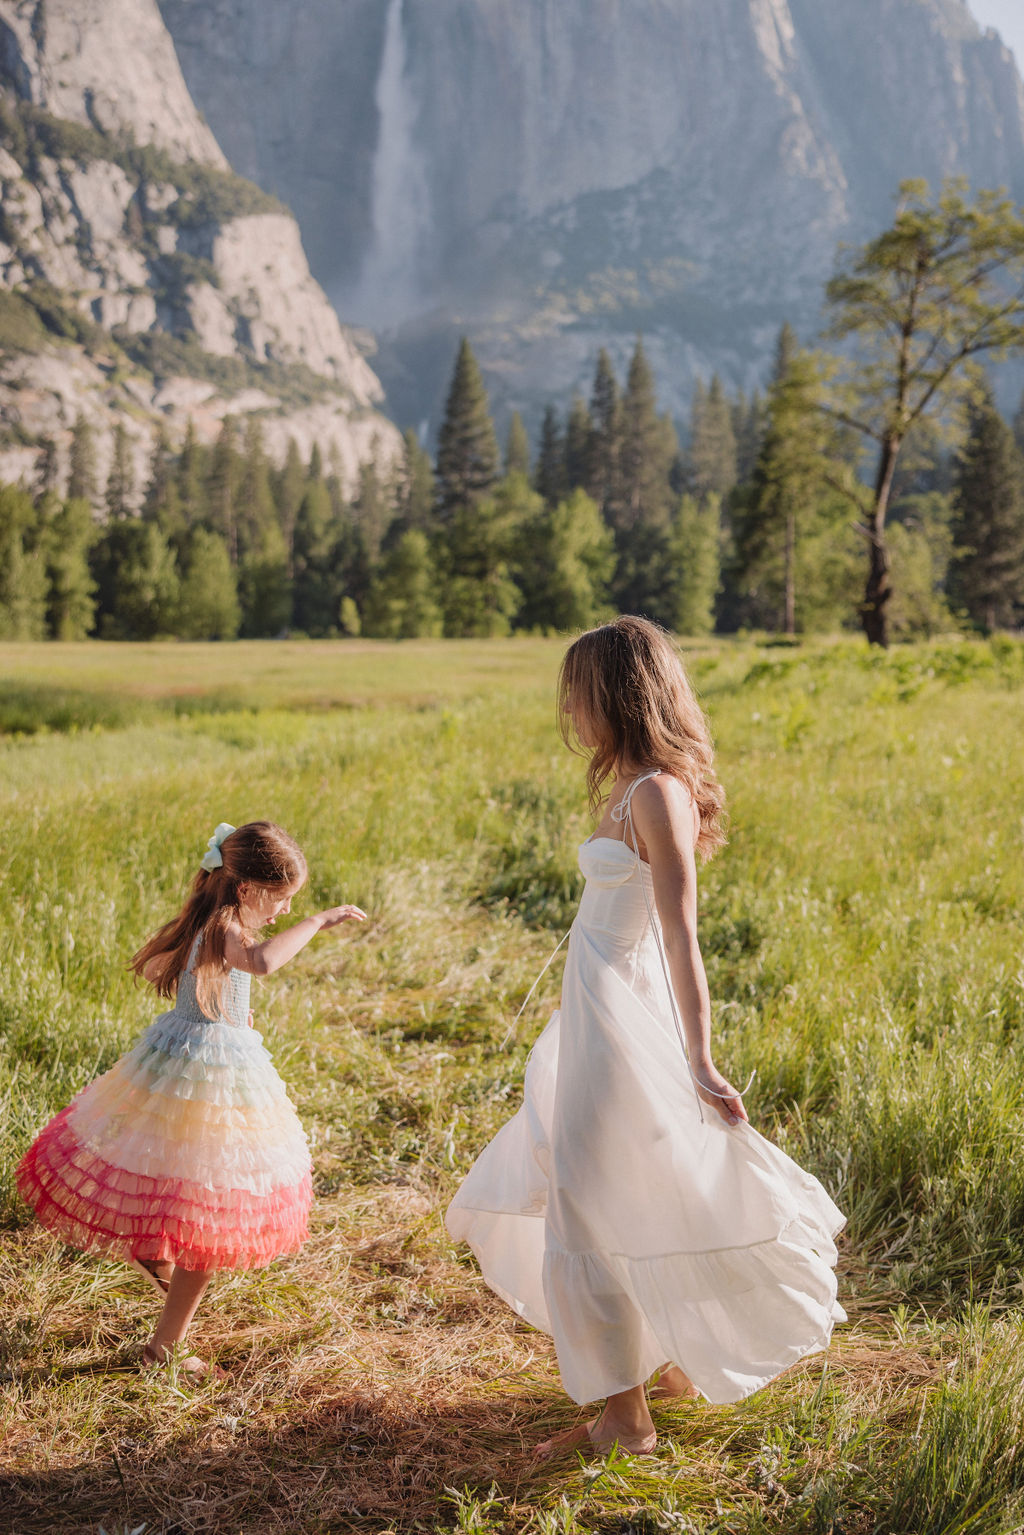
<point x="556" y="174"/>
<point x="142" y="280"/>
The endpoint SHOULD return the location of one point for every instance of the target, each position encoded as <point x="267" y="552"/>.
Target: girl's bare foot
<point x="672" y="1381"/>
<point x="191" y="1365"/>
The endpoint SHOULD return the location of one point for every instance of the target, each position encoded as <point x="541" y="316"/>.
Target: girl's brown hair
<point x="625" y="684"/>
<point x="258" y="853"/>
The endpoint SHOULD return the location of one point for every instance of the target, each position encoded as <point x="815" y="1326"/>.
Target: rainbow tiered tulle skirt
<point x="188" y="1149"/>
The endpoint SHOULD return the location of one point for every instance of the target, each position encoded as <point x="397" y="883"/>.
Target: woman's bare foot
<point x="625" y="1424"/>
<point x="673" y="1382"/>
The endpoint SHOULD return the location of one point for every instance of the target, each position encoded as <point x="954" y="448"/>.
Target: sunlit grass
<point x="862" y="936"/>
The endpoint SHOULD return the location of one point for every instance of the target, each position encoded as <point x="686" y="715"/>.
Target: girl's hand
<point x="729" y="1104"/>
<point x="335" y="915"/>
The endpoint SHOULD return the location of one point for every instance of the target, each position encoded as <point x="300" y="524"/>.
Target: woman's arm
<point x="266" y="957"/>
<point x="664" y="817"/>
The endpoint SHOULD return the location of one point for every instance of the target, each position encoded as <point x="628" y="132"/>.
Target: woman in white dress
<point x="629" y="1209"/>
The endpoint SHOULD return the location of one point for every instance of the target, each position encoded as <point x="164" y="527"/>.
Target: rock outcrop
<point x="559" y="174"/>
<point x="142" y="280"/>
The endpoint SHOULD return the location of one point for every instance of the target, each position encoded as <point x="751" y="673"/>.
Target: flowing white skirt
<point x="609" y="1215"/>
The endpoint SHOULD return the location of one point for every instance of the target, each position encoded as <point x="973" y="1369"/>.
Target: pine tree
<point x="208" y="607"/>
<point x="221" y="488"/>
<point x="289" y="487"/>
<point x="373" y="508"/>
<point x="137" y="581"/>
<point x="468" y="461"/>
<point x="264" y="590"/>
<point x="605" y="439"/>
<point x="577" y="438"/>
<point x="711" y="456"/>
<point x="317" y="587"/>
<point x="67" y="535"/>
<point x="693" y="554"/>
<point x="987" y="575"/>
<point x="22" y="568"/>
<point x="190" y="480"/>
<point x="748" y="430"/>
<point x="82" y="472"/>
<point x="648" y="449"/>
<point x="402" y="602"/>
<point x="475" y="554"/>
<point x="121" y="477"/>
<point x="255" y="515"/>
<point x="788" y="502"/>
<point x="517" y="447"/>
<point x="416" y="494"/>
<point x="47" y="466"/>
<point x="565" y="563"/>
<point x="549" y="474"/>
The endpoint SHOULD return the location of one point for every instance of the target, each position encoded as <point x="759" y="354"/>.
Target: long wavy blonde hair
<point x="626" y="702"/>
<point x="259" y="853"/>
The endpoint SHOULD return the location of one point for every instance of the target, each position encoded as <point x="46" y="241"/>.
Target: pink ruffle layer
<point x="97" y="1207"/>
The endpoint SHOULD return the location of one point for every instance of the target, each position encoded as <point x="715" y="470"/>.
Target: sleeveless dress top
<point x="614" y="1214"/>
<point x="187" y="1149"/>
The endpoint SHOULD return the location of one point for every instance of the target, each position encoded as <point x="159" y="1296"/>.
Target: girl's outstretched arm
<point x="269" y="955"/>
<point x="665" y="821"/>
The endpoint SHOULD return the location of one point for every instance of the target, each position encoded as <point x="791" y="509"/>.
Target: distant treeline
<point x="746" y="525"/>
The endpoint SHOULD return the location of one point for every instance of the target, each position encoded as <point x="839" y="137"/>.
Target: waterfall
<point x="389" y="285"/>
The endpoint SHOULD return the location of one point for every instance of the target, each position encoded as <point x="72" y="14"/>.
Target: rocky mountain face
<point x="143" y="282"/>
<point x="554" y="175"/>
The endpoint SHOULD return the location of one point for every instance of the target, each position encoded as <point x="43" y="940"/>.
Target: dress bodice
<point x="234" y="1000"/>
<point x="618" y="898"/>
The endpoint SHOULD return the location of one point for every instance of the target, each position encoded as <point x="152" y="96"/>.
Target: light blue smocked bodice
<point x="235" y="999"/>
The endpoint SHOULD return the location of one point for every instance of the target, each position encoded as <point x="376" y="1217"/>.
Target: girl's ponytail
<point x="259" y="854"/>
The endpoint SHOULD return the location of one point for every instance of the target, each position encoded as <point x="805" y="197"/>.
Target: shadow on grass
<point x="355" y="1463"/>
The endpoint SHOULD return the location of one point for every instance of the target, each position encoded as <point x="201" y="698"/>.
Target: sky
<point x="1007" y="16"/>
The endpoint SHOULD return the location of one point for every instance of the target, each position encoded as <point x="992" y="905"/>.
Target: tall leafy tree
<point x="943" y="285"/>
<point x="468" y="462"/>
<point x="987" y="574"/>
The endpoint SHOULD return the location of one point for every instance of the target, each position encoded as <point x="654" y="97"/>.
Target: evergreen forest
<point x="754" y="515"/>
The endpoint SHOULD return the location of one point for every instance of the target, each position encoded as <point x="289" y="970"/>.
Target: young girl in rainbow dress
<point x="187" y="1156"/>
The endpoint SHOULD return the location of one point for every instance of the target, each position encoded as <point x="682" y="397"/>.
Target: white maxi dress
<point x="615" y="1215"/>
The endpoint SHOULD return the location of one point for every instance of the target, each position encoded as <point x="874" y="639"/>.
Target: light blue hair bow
<point x="213" y="859"/>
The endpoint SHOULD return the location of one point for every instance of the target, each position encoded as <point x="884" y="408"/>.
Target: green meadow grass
<point x="862" y="933"/>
